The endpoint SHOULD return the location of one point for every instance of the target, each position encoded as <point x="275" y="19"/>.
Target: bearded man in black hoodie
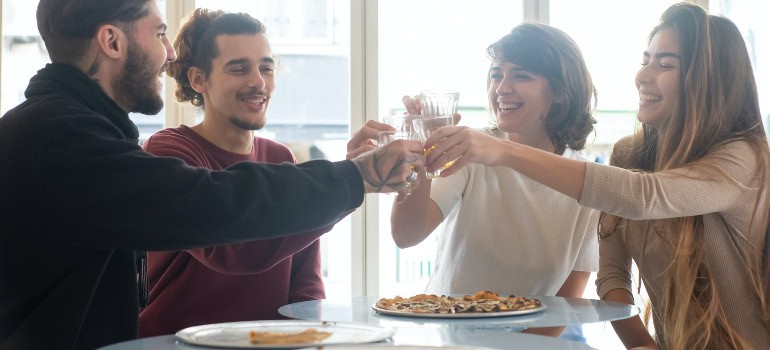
<point x="80" y="200"/>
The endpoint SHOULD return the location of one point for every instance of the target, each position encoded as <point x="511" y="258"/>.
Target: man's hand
<point x="387" y="168"/>
<point x="363" y="139"/>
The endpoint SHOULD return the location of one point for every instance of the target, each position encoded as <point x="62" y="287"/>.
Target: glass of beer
<point x="424" y="127"/>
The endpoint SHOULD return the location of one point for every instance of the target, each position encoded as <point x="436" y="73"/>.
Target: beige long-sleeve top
<point x="726" y="200"/>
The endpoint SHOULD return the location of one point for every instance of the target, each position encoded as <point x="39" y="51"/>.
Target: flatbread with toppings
<point x="309" y="335"/>
<point x="483" y="302"/>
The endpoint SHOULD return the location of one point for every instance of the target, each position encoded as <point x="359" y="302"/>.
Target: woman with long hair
<point x="687" y="199"/>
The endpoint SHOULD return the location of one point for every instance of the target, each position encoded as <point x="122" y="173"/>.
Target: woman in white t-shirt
<point x="504" y="232"/>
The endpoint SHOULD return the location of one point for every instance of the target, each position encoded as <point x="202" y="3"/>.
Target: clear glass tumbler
<point x="436" y="103"/>
<point x="424" y="127"/>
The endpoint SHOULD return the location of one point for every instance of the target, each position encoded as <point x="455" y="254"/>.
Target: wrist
<point x="361" y="166"/>
<point x="508" y="155"/>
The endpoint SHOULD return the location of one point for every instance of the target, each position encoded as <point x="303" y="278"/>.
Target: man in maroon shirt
<point x="225" y="66"/>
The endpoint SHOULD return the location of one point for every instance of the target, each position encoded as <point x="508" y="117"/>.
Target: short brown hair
<point x="548" y="51"/>
<point x="196" y="45"/>
<point x="67" y="26"/>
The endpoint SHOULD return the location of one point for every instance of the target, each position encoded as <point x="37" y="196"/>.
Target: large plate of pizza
<point x="481" y="304"/>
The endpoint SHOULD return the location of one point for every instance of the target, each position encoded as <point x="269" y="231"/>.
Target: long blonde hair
<point x="718" y="104"/>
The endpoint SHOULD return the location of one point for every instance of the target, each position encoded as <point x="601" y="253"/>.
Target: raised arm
<point x="240" y="258"/>
<point x="414" y="218"/>
<point x="472" y="146"/>
<point x="718" y="181"/>
<point x="158" y="203"/>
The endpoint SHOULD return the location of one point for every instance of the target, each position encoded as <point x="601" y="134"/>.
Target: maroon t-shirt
<point x="236" y="282"/>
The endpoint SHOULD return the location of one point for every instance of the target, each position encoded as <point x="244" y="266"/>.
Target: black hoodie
<point x="79" y="198"/>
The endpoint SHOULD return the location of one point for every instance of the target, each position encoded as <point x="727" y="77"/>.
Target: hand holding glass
<point x="385" y="137"/>
<point x="424" y="128"/>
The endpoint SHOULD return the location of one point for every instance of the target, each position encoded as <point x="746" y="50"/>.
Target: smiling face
<point x="149" y="50"/>
<point x="238" y="89"/>
<point x="658" y="81"/>
<point x="520" y="99"/>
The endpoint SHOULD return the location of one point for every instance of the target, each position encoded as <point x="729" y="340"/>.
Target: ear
<point x="197" y="79"/>
<point x="112" y="41"/>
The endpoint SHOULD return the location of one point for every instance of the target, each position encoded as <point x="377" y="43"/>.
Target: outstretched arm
<point x="472" y="146"/>
<point x="715" y="183"/>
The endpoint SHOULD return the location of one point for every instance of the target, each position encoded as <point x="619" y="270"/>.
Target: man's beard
<point x="245" y="125"/>
<point x="136" y="88"/>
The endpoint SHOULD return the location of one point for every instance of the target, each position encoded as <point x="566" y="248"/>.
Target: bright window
<point x="23" y="51"/>
<point x="756" y="32"/>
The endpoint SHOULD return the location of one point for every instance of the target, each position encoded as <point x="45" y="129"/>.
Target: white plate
<point x="236" y="334"/>
<point x="459" y="315"/>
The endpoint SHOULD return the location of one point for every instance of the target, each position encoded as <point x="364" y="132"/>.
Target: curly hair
<point x="196" y="45"/>
<point x="547" y="51"/>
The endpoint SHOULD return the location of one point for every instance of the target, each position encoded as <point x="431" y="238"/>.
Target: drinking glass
<point x="438" y="102"/>
<point x="424" y="127"/>
<point x="385" y="137"/>
<point x="401" y="122"/>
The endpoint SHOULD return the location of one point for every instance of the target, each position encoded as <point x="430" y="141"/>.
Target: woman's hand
<point x="465" y="146"/>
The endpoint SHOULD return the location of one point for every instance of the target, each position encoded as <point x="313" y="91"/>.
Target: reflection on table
<point x="433" y="335"/>
<point x="558" y="312"/>
<point x="497" y="332"/>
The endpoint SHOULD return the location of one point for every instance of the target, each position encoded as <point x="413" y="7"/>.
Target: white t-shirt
<point x="509" y="234"/>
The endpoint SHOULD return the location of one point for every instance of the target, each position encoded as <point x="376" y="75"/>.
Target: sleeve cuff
<point x="354" y="181"/>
